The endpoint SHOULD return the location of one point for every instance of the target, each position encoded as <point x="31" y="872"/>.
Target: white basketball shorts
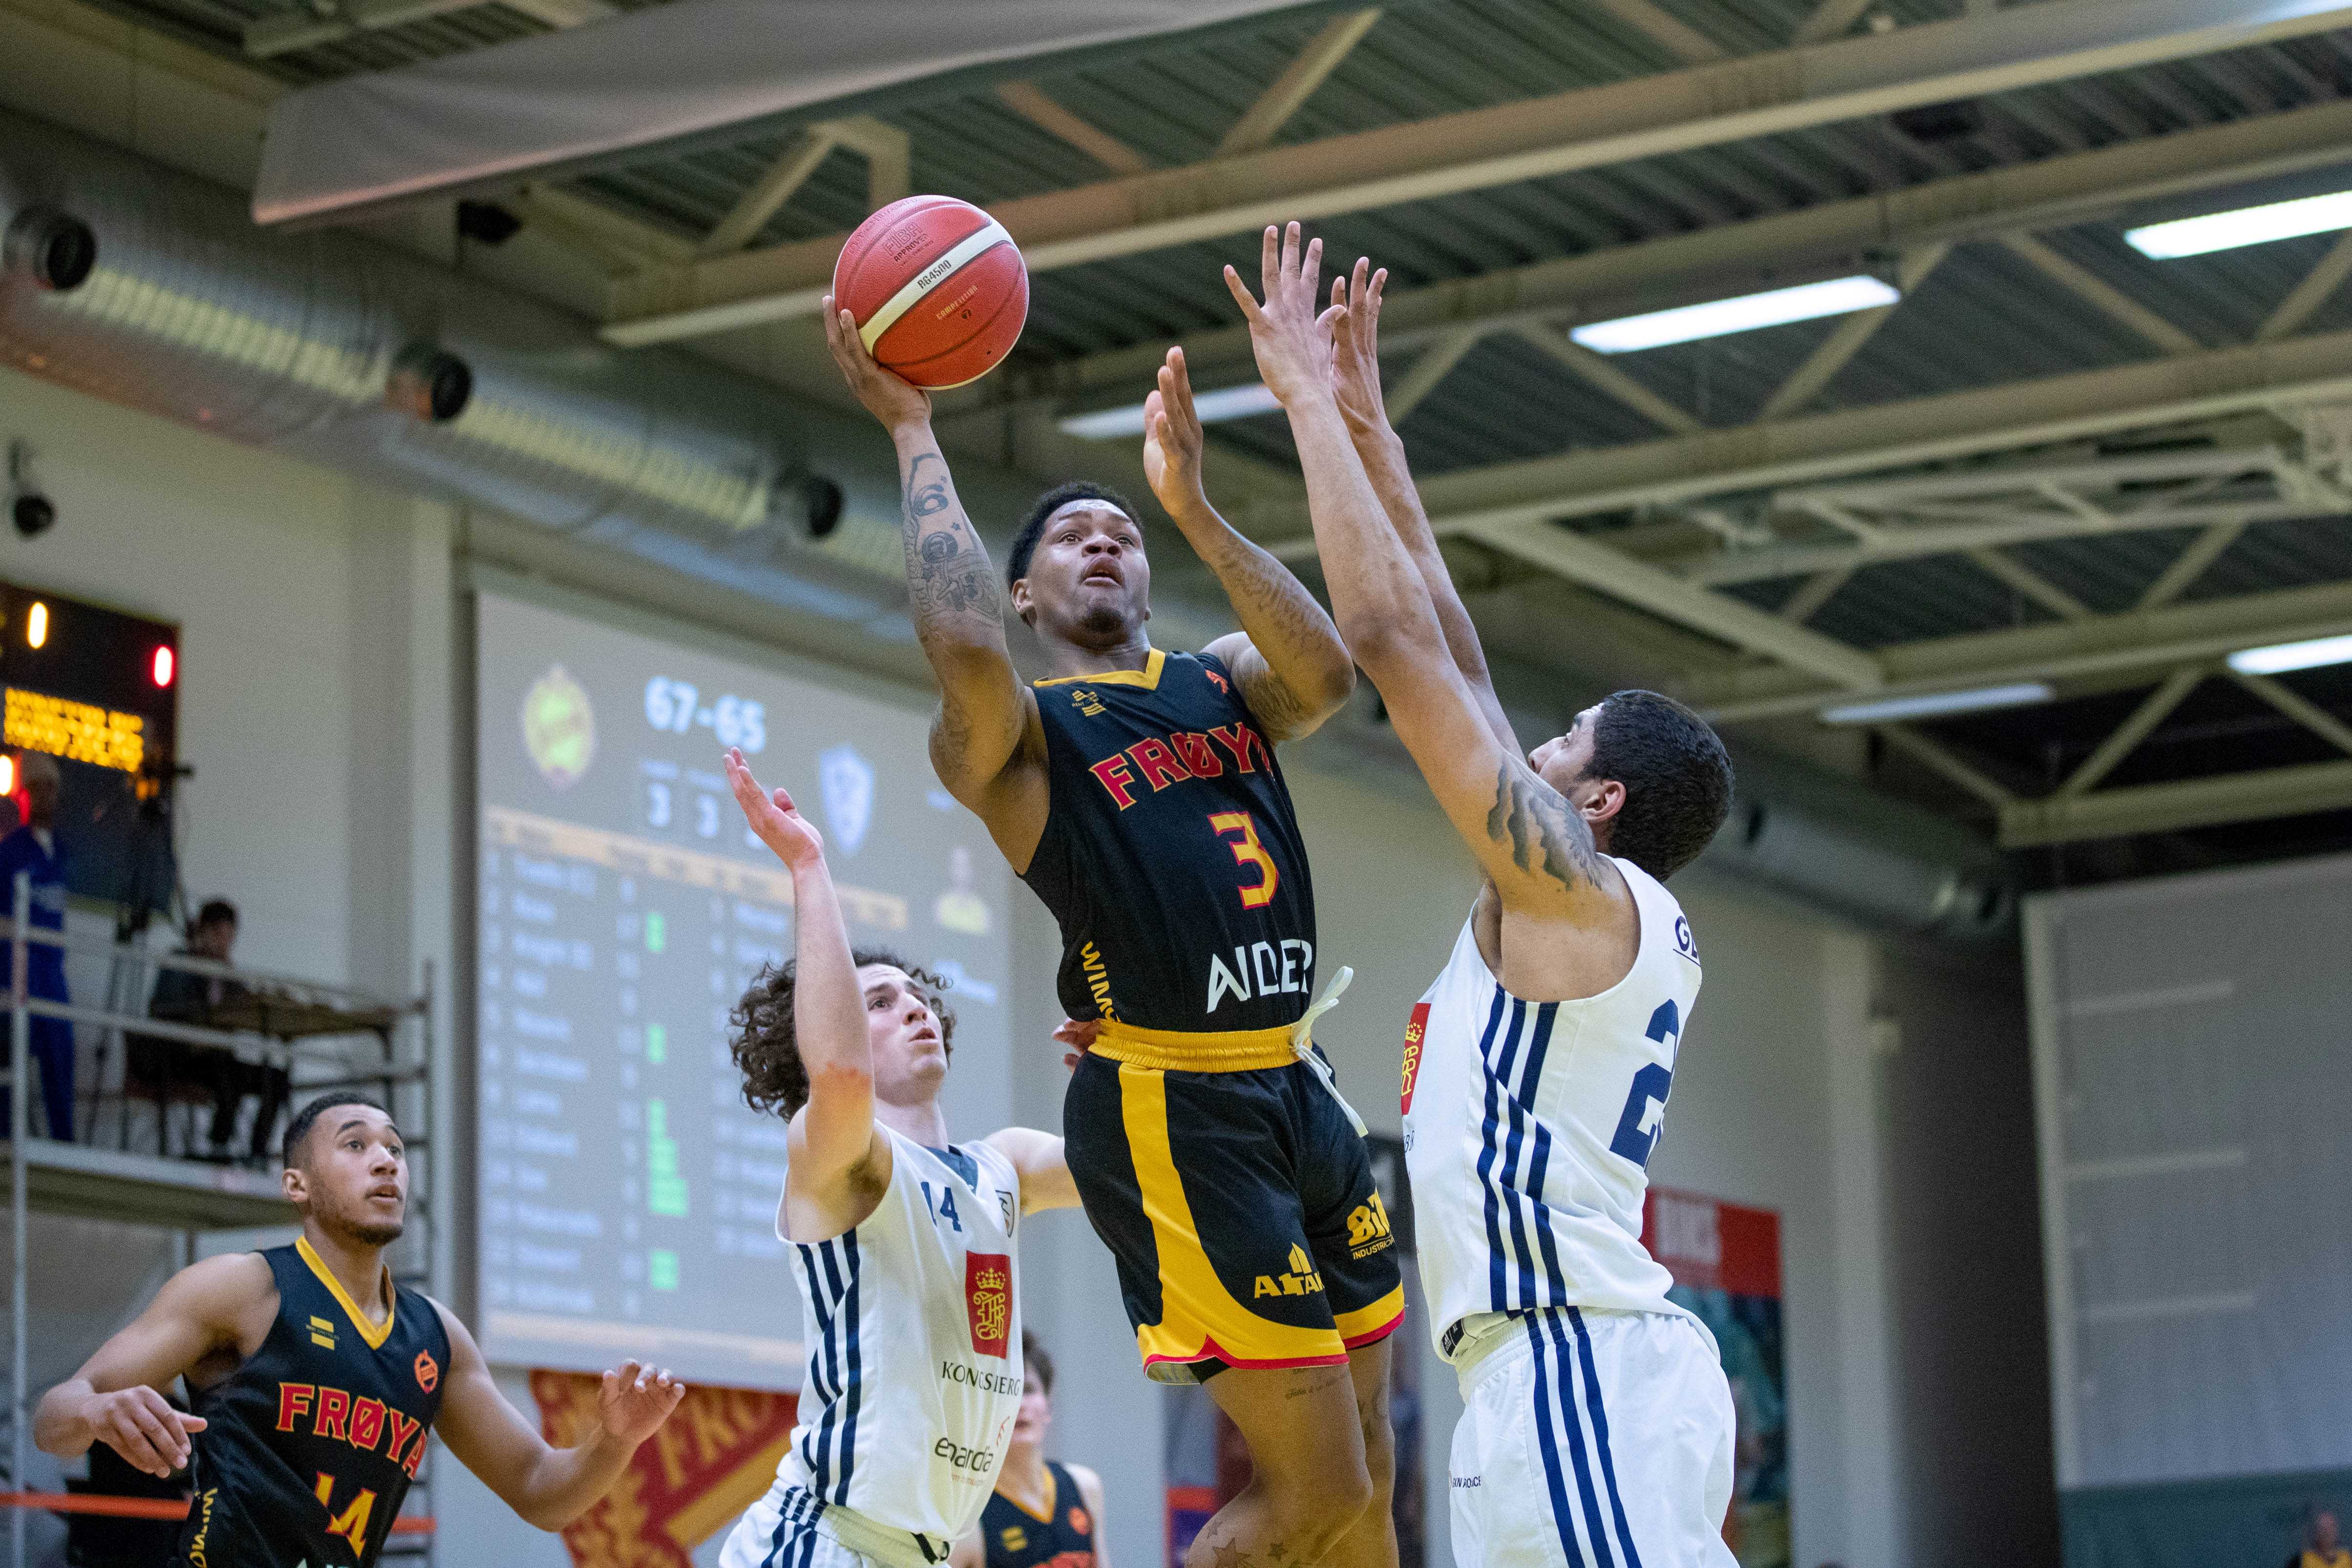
<point x="1593" y="1439"/>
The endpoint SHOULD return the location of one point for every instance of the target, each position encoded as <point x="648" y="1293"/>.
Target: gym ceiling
<point x="2054" y="462"/>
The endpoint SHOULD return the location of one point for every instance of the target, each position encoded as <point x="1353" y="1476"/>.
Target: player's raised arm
<point x="958" y="607"/>
<point x="1356" y="379"/>
<point x="835" y="1153"/>
<point x="546" y="1486"/>
<point x="1533" y="844"/>
<point x="113" y="1400"/>
<point x="1045" y="1171"/>
<point x="1288" y="658"/>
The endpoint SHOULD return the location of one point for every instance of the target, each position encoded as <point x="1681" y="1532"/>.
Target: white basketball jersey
<point x="913" y="1329"/>
<point x="1529" y="1128"/>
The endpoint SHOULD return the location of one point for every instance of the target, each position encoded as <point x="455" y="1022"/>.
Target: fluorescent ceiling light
<point x="2246" y="226"/>
<point x="1933" y="704"/>
<point x="1226" y="403"/>
<point x="1773" y="308"/>
<point x="2285" y="656"/>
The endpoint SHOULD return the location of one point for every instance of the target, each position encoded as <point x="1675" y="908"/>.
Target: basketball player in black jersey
<point x="1138" y="793"/>
<point x="317" y="1383"/>
<point x="1042" y="1514"/>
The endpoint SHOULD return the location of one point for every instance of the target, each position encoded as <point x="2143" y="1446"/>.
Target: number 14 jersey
<point x="1171" y="857"/>
<point x="1529" y="1128"/>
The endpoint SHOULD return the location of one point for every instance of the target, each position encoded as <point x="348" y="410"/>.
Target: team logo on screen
<point x="987" y="1294"/>
<point x="558" y="727"/>
<point x="846" y="781"/>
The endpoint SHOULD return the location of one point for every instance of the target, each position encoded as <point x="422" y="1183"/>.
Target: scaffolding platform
<point x="141" y="1189"/>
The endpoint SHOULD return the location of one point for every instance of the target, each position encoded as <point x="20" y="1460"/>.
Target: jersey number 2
<point x="1248" y="851"/>
<point x="1646" y="1107"/>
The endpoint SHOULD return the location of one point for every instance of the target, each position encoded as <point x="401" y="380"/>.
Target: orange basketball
<point x="937" y="288"/>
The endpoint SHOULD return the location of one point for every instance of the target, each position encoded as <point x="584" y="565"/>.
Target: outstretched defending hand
<point x="774" y="817"/>
<point x="1077" y="1036"/>
<point x="1173" y="442"/>
<point x="138" y="1424"/>
<point x="1356" y="346"/>
<point x="1292" y="341"/>
<point x="638" y="1397"/>
<point x="890" y="397"/>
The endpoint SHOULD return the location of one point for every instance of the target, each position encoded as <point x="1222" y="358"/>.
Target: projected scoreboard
<point x="627" y="1197"/>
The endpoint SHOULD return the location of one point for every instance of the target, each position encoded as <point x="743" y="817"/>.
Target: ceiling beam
<point x="1596" y="565"/>
<point x="769" y="193"/>
<point x="1846" y="339"/>
<point x="2022" y="579"/>
<point x="1596" y="371"/>
<point x="1436" y="363"/>
<point x="2325" y="278"/>
<point x="1890" y="435"/>
<point x="1702" y="106"/>
<point x="1677" y="38"/>
<point x="1831" y="19"/>
<point x="2054" y="650"/>
<point x="1841" y="236"/>
<point x="2125" y="737"/>
<point x="283" y="32"/>
<point x="1030" y="101"/>
<point x="2191" y="563"/>
<point x="2297" y="707"/>
<point x="1920" y="749"/>
<point x="2102" y="296"/>
<point x="1262" y="121"/>
<point x="2171" y="807"/>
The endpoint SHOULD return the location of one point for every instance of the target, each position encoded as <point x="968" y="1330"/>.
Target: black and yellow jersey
<point x="1061" y="1537"/>
<point x="313" y="1440"/>
<point x="1171" y="857"/>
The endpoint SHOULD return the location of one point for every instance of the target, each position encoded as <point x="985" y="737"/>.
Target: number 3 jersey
<point x="1171" y="857"/>
<point x="1529" y="1128"/>
<point x="913" y="1337"/>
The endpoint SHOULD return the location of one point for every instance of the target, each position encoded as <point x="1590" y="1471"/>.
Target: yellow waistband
<point x="1181" y="1050"/>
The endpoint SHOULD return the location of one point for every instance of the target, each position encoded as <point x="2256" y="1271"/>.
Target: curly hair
<point x="1040" y="511"/>
<point x="760" y="1031"/>
<point x="1677" y="776"/>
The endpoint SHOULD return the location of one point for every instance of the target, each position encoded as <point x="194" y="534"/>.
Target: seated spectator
<point x="185" y="997"/>
<point x="33" y="848"/>
<point x="2321" y="1547"/>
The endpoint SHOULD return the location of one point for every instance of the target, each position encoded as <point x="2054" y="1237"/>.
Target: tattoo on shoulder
<point x="1546" y="836"/>
<point x="948" y="572"/>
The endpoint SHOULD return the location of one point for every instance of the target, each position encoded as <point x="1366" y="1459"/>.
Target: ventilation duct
<point x="1878" y="861"/>
<point x="155" y="291"/>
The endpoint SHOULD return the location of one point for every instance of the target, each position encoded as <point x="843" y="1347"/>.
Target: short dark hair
<point x="1033" y="526"/>
<point x="1033" y="1353"/>
<point x="215" y="911"/>
<point x="305" y="1119"/>
<point x="767" y="1051"/>
<point x="1677" y="775"/>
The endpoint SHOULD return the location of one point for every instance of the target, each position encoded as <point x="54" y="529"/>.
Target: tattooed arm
<point x="1533" y="844"/>
<point x="1288" y="658"/>
<point x="983" y="744"/>
<point x="1356" y="380"/>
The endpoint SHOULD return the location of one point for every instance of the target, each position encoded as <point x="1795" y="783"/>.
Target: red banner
<point x="1710" y="1245"/>
<point x="708" y="1462"/>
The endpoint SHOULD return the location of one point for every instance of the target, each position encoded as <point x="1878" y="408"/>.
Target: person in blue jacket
<point x="33" y="847"/>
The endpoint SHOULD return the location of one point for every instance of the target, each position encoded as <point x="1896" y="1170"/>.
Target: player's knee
<point x="1380" y="1456"/>
<point x="1325" y="1507"/>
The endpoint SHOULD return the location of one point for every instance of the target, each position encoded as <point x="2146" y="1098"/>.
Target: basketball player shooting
<point x="1138" y="793"/>
<point x="315" y="1383"/>
<point x="902" y="1241"/>
<point x="1598" y="1425"/>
